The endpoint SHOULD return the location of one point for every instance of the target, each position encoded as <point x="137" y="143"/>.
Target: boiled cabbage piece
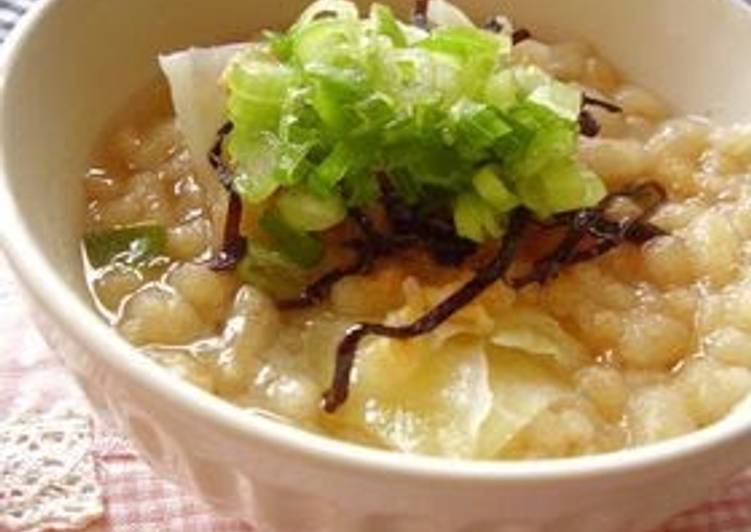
<point x="198" y="96"/>
<point x="199" y="100"/>
<point x="522" y="387"/>
<point x="536" y="333"/>
<point x="410" y="398"/>
<point x="464" y="400"/>
<point x="445" y="14"/>
<point x="465" y="390"/>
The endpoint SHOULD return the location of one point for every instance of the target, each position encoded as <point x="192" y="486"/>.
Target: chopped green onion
<point x="279" y="43"/>
<point x="257" y="86"/>
<point x="491" y="188"/>
<point x="374" y="113"/>
<point x="530" y="77"/>
<point x="360" y="189"/>
<point x="298" y="246"/>
<point x="131" y="245"/>
<point x="465" y="42"/>
<point x="258" y="158"/>
<point x="342" y="159"/>
<point x="501" y="91"/>
<point x="475" y="219"/>
<point x="562" y="99"/>
<point x="477" y="128"/>
<point x="334" y="92"/>
<point x="341" y="9"/>
<point x="568" y="186"/>
<point x="561" y="186"/>
<point x="269" y="271"/>
<point x="478" y="52"/>
<point x="325" y="106"/>
<point x="546" y="138"/>
<point x="305" y="211"/>
<point x="324" y="39"/>
<point x="386" y="24"/>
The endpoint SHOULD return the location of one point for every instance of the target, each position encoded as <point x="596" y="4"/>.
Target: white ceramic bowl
<point x="73" y="62"/>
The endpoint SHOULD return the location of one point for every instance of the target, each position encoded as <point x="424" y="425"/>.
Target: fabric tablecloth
<point x="137" y="501"/>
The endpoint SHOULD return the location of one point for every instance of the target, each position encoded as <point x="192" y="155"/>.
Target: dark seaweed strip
<point x="521" y="35"/>
<point x="437" y="234"/>
<point x="489" y="274"/>
<point x="216" y="159"/>
<point x="642" y="232"/>
<point x="420" y="14"/>
<point x="400" y="216"/>
<point x="588" y="125"/>
<point x="369" y="247"/>
<point x="593" y="224"/>
<point x="588" y="100"/>
<point x="441" y="240"/>
<point x="325" y="14"/>
<point x="407" y="229"/>
<point x="234" y="245"/>
<point x="494" y="24"/>
<point x="568" y="252"/>
<point x="421" y="8"/>
<point x="648" y="195"/>
<point x="365" y="225"/>
<point x="550" y="266"/>
<point x="636" y="233"/>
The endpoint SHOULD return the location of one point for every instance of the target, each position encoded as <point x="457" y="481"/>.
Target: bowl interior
<point x="82" y="59"/>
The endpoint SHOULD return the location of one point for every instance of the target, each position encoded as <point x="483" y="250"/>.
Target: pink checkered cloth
<point x="138" y="501"/>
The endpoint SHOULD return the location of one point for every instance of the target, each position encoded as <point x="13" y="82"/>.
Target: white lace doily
<point x="48" y="475"/>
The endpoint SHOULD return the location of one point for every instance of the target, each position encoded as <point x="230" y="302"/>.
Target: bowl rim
<point x="88" y="329"/>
